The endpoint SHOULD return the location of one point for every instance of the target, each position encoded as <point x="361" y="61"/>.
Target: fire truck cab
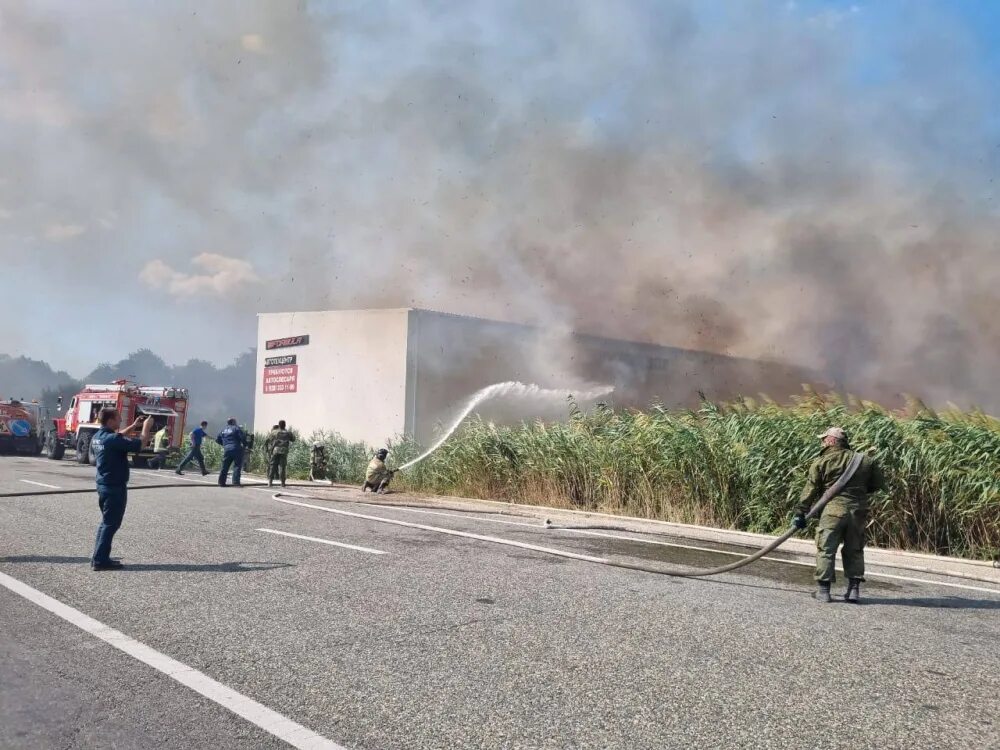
<point x="167" y="405"/>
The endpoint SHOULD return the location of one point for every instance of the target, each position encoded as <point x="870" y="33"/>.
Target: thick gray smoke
<point x="757" y="178"/>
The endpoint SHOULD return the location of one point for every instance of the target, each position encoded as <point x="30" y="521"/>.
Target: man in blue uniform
<point x="233" y="441"/>
<point x="198" y="435"/>
<point x="111" y="448"/>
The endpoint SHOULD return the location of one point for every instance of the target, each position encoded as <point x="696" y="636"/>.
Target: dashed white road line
<point x="332" y="543"/>
<point x="41" y="484"/>
<point x="256" y="713"/>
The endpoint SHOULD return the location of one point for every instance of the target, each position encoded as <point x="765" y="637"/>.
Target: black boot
<point x="822" y="593"/>
<point x="853" y="593"/>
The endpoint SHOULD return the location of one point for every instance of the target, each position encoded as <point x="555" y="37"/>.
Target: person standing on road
<point x="111" y="448"/>
<point x="279" y="442"/>
<point x="198" y="435"/>
<point x="233" y="443"/>
<point x="845" y="517"/>
<point x="161" y="444"/>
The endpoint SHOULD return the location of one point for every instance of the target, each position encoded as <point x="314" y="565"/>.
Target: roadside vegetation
<point x="739" y="465"/>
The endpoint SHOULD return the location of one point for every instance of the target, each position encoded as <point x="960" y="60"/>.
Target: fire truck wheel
<point x="54" y="448"/>
<point x="83" y="448"/>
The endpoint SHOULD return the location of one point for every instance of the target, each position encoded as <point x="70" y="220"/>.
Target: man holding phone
<point x="111" y="446"/>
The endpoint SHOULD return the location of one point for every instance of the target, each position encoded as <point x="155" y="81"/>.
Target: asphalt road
<point x="451" y="641"/>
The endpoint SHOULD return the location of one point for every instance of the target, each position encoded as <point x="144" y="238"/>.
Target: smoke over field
<point x="765" y="179"/>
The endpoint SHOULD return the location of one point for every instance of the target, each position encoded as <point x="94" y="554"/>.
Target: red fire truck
<point x="167" y="406"/>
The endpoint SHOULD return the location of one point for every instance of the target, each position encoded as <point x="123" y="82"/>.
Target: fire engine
<point x="22" y="426"/>
<point x="167" y="406"/>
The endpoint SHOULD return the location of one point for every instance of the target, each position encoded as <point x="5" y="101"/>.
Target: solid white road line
<point x="270" y="721"/>
<point x="694" y="548"/>
<point x="608" y="536"/>
<point x="41" y="484"/>
<point x="180" y="478"/>
<point x="450" y="532"/>
<point x="369" y="550"/>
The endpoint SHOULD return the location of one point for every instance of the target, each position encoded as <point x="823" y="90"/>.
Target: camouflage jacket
<point x="278" y="442"/>
<point x="827" y="469"/>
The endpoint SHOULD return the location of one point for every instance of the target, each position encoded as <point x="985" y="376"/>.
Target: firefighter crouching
<point x="377" y="476"/>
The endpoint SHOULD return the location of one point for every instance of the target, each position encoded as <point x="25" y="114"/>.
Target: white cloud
<point x="252" y="43"/>
<point x="61" y="232"/>
<point x="218" y="274"/>
<point x="42" y="107"/>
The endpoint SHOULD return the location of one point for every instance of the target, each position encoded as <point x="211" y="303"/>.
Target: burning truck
<point x="167" y="405"/>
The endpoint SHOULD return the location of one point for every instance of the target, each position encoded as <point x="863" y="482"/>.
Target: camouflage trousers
<point x="841" y="527"/>
<point x="317" y="470"/>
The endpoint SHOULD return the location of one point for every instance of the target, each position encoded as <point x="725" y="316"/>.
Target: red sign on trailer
<point x="281" y="379"/>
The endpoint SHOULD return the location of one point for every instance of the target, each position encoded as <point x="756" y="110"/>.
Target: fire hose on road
<point x="86" y="490"/>
<point x="832" y="492"/>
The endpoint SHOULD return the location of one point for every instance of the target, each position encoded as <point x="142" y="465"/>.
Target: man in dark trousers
<point x="111" y="448"/>
<point x="198" y="435"/>
<point x="233" y="442"/>
<point x="278" y="443"/>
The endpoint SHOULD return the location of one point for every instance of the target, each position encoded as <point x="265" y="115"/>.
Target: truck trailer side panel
<point x="343" y="371"/>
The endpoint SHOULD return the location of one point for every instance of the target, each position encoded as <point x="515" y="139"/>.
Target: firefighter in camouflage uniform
<point x="278" y="443"/>
<point x="845" y="517"/>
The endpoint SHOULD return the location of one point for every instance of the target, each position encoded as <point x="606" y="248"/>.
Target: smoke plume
<point x="763" y="179"/>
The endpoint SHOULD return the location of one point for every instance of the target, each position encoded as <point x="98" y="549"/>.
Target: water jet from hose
<point x="501" y="390"/>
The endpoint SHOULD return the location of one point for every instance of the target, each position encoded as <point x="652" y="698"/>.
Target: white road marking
<point x="270" y="721"/>
<point x="933" y="583"/>
<point x="369" y="550"/>
<point x="774" y="559"/>
<point x="452" y="515"/>
<point x="450" y="532"/>
<point x="180" y="478"/>
<point x="41" y="484"/>
<point x="609" y="536"/>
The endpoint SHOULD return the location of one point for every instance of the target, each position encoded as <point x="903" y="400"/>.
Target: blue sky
<point x="702" y="169"/>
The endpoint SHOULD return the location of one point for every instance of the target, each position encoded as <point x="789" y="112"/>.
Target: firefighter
<point x="161" y="444"/>
<point x="233" y="443"/>
<point x="198" y="435"/>
<point x="278" y="443"/>
<point x="377" y="476"/>
<point x="317" y="462"/>
<point x="844" y="518"/>
<point x="111" y="447"/>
